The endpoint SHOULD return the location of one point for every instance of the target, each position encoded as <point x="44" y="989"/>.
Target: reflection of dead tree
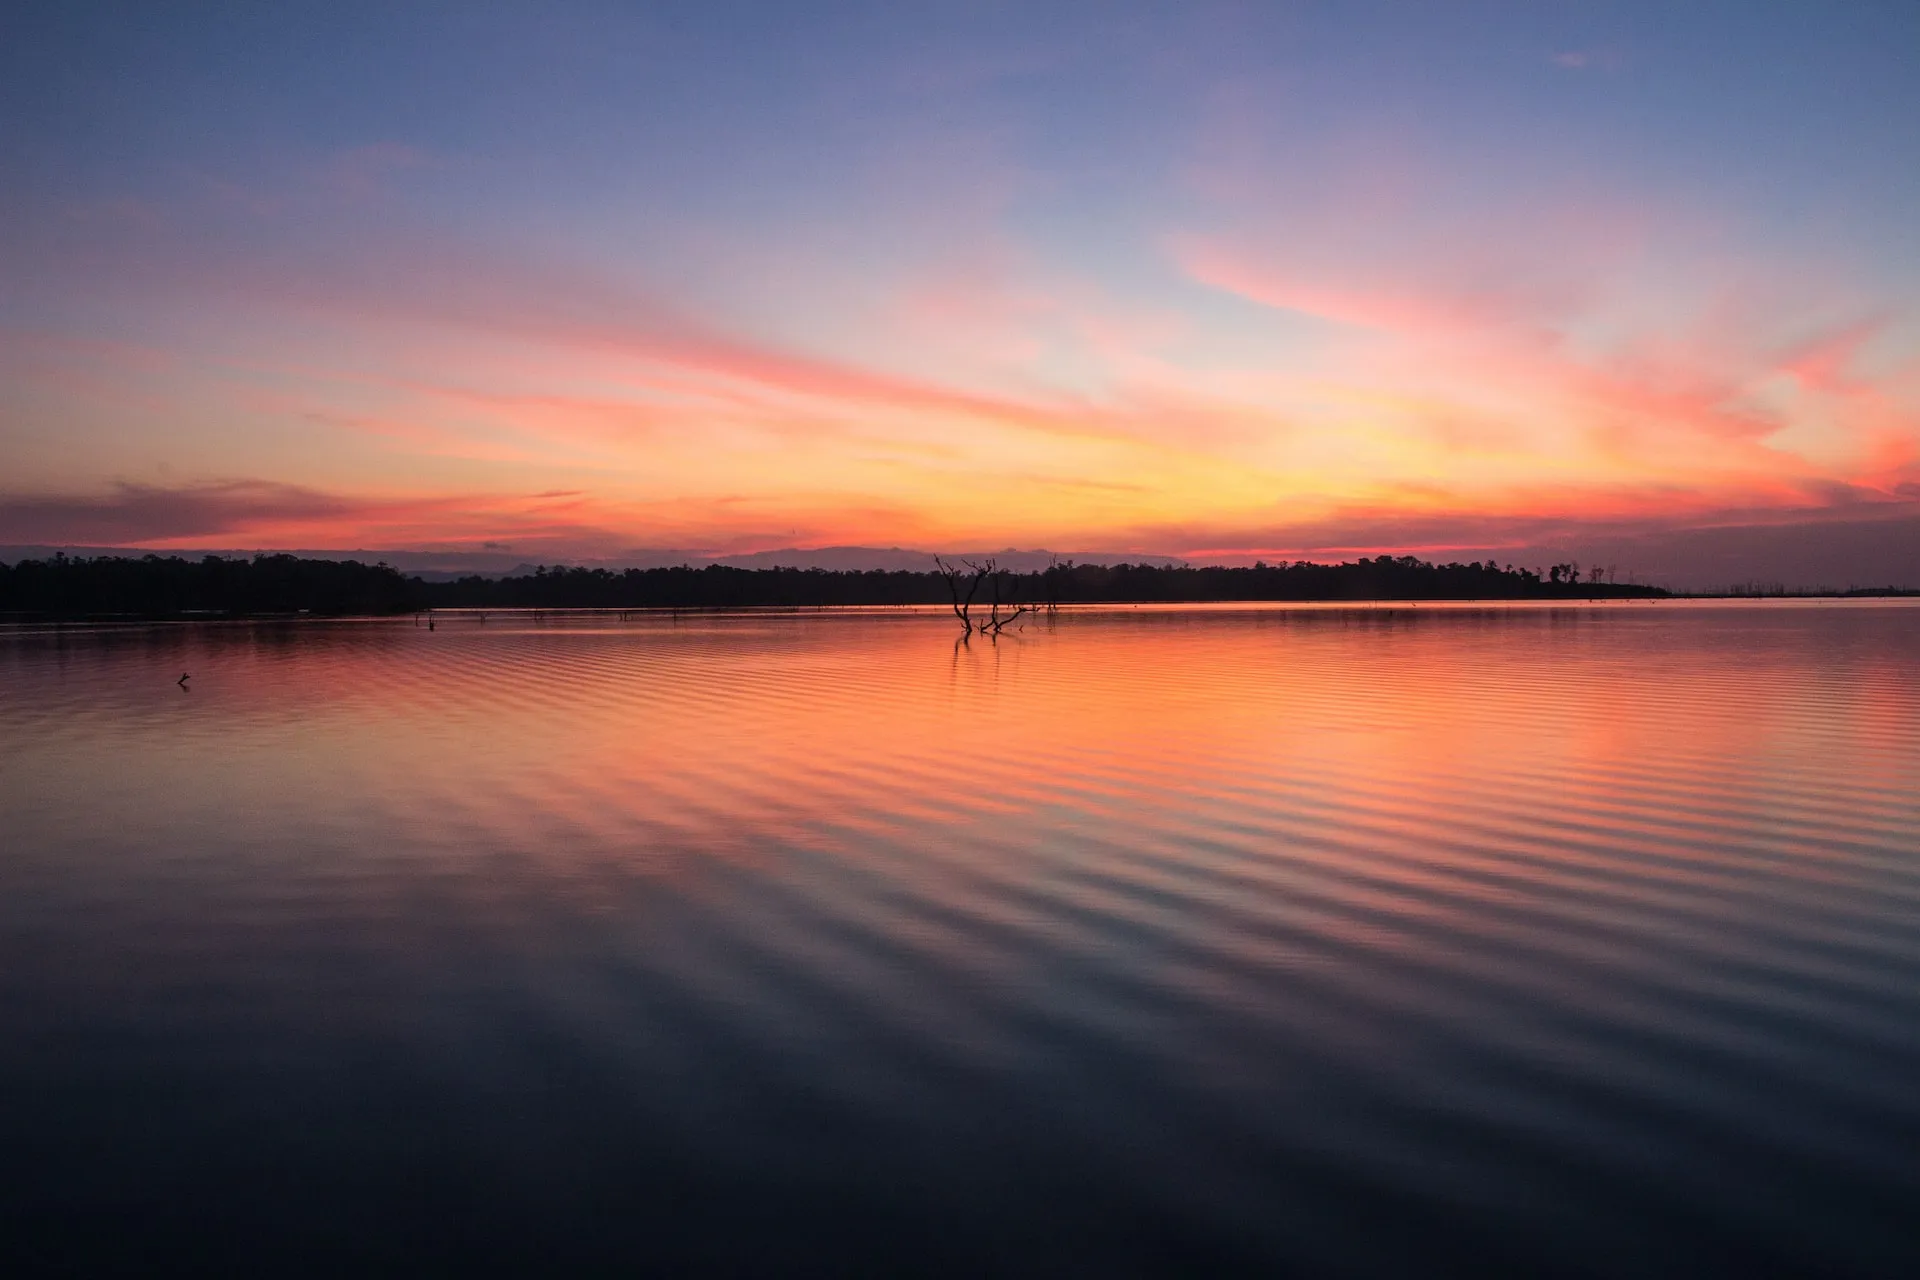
<point x="973" y="574"/>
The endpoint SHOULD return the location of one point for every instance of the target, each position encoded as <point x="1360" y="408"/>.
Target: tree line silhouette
<point x="171" y="586"/>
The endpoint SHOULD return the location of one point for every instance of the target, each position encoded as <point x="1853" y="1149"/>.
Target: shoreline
<point x="21" y="620"/>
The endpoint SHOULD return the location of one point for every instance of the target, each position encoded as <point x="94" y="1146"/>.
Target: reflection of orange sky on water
<point x="1350" y="725"/>
<point x="808" y="719"/>
<point x="1404" y="782"/>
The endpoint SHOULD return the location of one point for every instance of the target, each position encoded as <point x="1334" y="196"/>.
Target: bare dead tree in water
<point x="995" y="623"/>
<point x="972" y="574"/>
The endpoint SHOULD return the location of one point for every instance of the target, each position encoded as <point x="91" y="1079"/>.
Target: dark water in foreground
<point x="1346" y="940"/>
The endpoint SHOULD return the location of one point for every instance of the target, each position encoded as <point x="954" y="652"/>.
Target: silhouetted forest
<point x="163" y="587"/>
<point x="170" y="586"/>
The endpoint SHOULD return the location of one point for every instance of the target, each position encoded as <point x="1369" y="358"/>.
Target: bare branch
<point x="963" y="606"/>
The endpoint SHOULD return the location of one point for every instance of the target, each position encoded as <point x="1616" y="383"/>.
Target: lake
<point x="1362" y="940"/>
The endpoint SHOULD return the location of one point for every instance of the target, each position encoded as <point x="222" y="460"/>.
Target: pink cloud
<point x="1689" y="389"/>
<point x="252" y="512"/>
<point x="139" y="514"/>
<point x="1587" y="60"/>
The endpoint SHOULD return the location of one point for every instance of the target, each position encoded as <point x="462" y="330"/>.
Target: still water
<point x="1374" y="941"/>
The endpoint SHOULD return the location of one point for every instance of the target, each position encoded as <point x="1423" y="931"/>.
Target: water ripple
<point x="1349" y="940"/>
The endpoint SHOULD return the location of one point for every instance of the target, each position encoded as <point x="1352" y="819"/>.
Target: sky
<point x="1220" y="281"/>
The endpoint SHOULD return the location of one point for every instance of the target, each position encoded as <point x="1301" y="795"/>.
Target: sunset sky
<point x="1219" y="281"/>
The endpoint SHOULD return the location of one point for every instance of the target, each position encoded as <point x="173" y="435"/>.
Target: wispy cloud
<point x="1621" y="359"/>
<point x="266" y="512"/>
<point x="1586" y="60"/>
<point x="138" y="513"/>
